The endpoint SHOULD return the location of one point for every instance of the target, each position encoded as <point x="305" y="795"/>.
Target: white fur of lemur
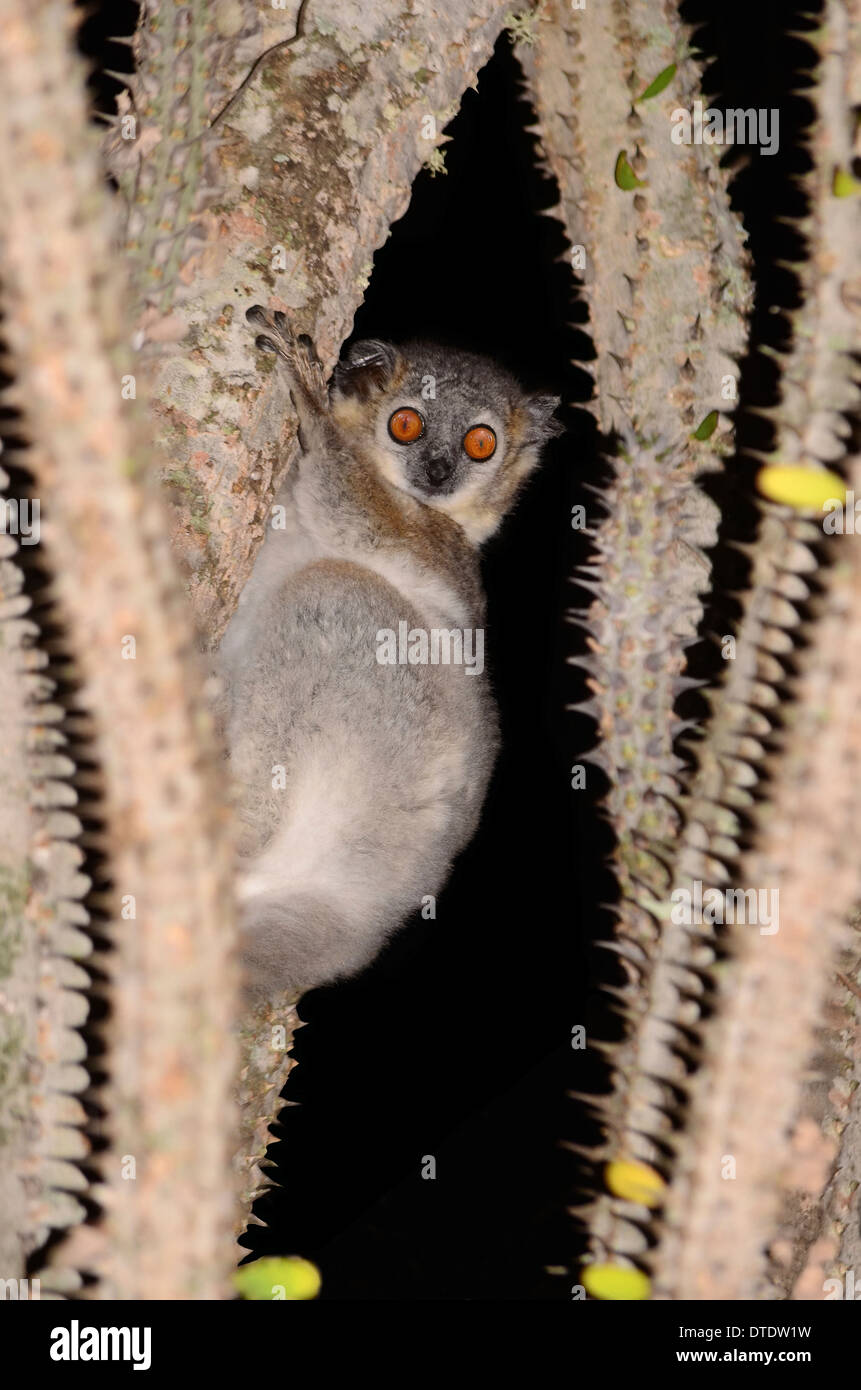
<point x="359" y="779"/>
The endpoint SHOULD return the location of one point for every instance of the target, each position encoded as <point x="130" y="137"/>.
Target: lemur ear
<point x="368" y="366"/>
<point x="541" y="412"/>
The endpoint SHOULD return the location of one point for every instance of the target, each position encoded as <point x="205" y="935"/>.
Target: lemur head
<point x="450" y="428"/>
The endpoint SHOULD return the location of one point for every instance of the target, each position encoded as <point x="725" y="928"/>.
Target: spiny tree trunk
<point x="281" y="195"/>
<point x="675" y="829"/>
<point x="136" y="699"/>
<point x="262" y="155"/>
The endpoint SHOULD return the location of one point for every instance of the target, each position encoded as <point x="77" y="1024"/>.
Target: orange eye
<point x="480" y="442"/>
<point x="406" y="426"/>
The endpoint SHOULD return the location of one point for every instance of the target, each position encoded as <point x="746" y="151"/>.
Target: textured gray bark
<point x="285" y="204"/>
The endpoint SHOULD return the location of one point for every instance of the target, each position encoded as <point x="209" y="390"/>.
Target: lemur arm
<point x="340" y="498"/>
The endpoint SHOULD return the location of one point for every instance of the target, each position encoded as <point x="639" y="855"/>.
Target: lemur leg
<point x="304" y="368"/>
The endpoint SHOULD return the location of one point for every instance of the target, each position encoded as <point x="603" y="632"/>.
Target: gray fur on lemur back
<point x="359" y="782"/>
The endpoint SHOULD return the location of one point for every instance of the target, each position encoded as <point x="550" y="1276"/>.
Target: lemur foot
<point x="296" y="352"/>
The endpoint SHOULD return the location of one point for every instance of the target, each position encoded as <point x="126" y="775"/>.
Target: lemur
<point x="361" y="771"/>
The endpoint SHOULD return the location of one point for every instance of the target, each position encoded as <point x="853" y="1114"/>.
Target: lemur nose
<point x="438" y="470"/>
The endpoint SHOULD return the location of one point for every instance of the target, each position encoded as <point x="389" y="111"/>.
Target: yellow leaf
<point x="618" y="1282"/>
<point x="845" y="185"/>
<point x="280" y="1278"/>
<point x="635" y="1182"/>
<point x="806" y="489"/>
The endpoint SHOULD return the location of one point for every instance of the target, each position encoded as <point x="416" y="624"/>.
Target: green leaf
<point x="662" y="80"/>
<point x="279" y="1278"/>
<point x="624" y="175"/>
<point x="706" y="428"/>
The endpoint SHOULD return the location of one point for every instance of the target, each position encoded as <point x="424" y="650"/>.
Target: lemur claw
<point x="297" y="352"/>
